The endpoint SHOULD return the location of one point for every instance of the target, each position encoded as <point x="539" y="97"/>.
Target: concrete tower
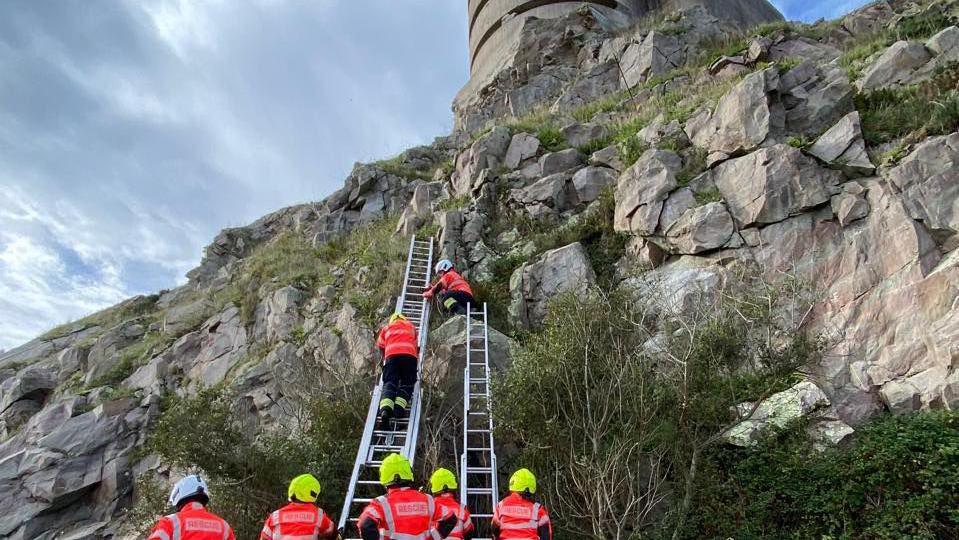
<point x="494" y="25"/>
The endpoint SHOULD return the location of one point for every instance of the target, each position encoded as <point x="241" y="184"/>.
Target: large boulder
<point x="447" y="349"/>
<point x="898" y="65"/>
<point x="642" y="190"/>
<point x="657" y="54"/>
<point x="223" y="345"/>
<point x="546" y="196"/>
<point x="773" y="183"/>
<point x="522" y="147"/>
<point x="580" y="135"/>
<point x="488" y="152"/>
<point x="701" y="229"/>
<point x="679" y="287"/>
<point x="561" y="161"/>
<point x="104" y="354"/>
<point x="744" y="119"/>
<point x="532" y="286"/>
<point x="929" y="181"/>
<point x="805" y="399"/>
<point x="420" y="209"/>
<point x="844" y="148"/>
<point x="815" y="97"/>
<point x="590" y="182"/>
<point x="278" y="314"/>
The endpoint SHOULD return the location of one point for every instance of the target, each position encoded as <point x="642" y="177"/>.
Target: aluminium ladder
<point x="478" y="485"/>
<point x="375" y="444"/>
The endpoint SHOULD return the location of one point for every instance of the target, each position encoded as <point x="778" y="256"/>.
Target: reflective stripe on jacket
<point x="519" y="518"/>
<point x="398" y="338"/>
<point x="452" y="281"/>
<point x="406" y="514"/>
<point x="464" y="523"/>
<point x="193" y="522"/>
<point x="297" y="521"/>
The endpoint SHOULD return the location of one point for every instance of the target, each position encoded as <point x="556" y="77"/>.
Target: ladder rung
<point x="479" y="491"/>
<point x="478" y="431"/>
<point x="478" y="470"/>
<point x="362" y="501"/>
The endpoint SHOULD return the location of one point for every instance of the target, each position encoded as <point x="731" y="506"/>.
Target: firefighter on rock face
<point x="404" y="513"/>
<point x="518" y="517"/>
<point x="398" y="342"/>
<point x="301" y="519"/>
<point x="443" y="487"/>
<point x="191" y="521"/>
<point x="455" y="293"/>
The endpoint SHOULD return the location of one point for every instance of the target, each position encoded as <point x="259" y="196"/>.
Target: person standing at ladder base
<point x="443" y="487"/>
<point x="518" y="517"/>
<point x="192" y="521"/>
<point x="301" y="519"/>
<point x="455" y="293"/>
<point x="403" y="513"/>
<point x="398" y="342"/>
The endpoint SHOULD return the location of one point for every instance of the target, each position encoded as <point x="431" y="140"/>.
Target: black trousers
<point x="399" y="378"/>
<point x="455" y="302"/>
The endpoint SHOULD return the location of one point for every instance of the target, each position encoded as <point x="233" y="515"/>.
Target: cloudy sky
<point x="131" y="131"/>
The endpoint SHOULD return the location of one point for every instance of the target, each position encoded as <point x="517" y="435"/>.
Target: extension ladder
<point x="478" y="485"/>
<point x="375" y="444"/>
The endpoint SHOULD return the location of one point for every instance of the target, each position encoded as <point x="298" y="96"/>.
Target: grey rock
<point x="580" y="135"/>
<point x="777" y="410"/>
<point x="945" y="45"/>
<point x="550" y="192"/>
<point x="590" y="182"/>
<point x="447" y="350"/>
<point x="563" y="160"/>
<point x="803" y="48"/>
<point x="601" y="80"/>
<point x="701" y="229"/>
<point x="278" y="314"/>
<point x="555" y="272"/>
<point x="522" y="147"/>
<point x="929" y="181"/>
<point x="868" y="19"/>
<point x="223" y="346"/>
<point x="103" y="355"/>
<point x="33" y="383"/>
<point x="849" y="207"/>
<point x="607" y="157"/>
<point x="660" y="130"/>
<point x="642" y="189"/>
<point x="896" y="66"/>
<point x="679" y="287"/>
<point x="771" y="184"/>
<point x="758" y="50"/>
<point x="487" y="152"/>
<point x="657" y="54"/>
<point x="815" y="98"/>
<point x="420" y="208"/>
<point x="843" y="147"/>
<point x="744" y="118"/>
<point x="901" y="397"/>
<point x="676" y="205"/>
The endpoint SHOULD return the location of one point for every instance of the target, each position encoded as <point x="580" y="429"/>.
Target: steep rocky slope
<point x="666" y="160"/>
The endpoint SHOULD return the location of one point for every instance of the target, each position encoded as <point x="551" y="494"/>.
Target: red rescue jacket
<point x="519" y="518"/>
<point x="452" y="281"/>
<point x="405" y="514"/>
<point x="297" y="521"/>
<point x="464" y="523"/>
<point x="193" y="522"/>
<point x="398" y="338"/>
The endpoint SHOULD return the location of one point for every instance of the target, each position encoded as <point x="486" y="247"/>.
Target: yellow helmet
<point x="397" y="317"/>
<point x="304" y="488"/>
<point x="442" y="480"/>
<point x="395" y="468"/>
<point x="523" y="481"/>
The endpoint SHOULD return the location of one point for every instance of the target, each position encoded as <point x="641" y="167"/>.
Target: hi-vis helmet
<point x="523" y="481"/>
<point x="395" y="468"/>
<point x="397" y="317"/>
<point x="442" y="480"/>
<point x="304" y="488"/>
<point x="188" y="487"/>
<point x="444" y="266"/>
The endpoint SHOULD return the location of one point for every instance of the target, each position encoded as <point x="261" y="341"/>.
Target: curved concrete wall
<point x="494" y="24"/>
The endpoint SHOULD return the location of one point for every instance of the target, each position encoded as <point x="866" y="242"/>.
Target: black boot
<point x="400" y="413"/>
<point x="383" y="422"/>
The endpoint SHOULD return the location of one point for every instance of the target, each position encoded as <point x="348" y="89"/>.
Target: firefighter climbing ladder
<point x="478" y="489"/>
<point x="375" y="444"/>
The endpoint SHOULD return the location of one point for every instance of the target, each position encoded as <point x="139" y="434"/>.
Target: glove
<point x="428" y="295"/>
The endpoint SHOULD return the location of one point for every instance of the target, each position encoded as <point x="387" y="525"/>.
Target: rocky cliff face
<point x="672" y="154"/>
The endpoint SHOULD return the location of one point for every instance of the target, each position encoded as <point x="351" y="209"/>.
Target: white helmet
<point x="187" y="487"/>
<point x="444" y="266"/>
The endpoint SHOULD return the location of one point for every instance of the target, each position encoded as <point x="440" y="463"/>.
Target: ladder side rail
<point x="413" y="425"/>
<point x="406" y="275"/>
<point x="361" y="453"/>
<point x="466" y="413"/>
<point x="489" y="403"/>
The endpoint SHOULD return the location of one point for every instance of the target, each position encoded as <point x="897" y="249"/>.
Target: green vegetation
<point x="543" y="125"/>
<point x="249" y="476"/>
<point x="590" y="411"/>
<point x="929" y="108"/>
<point x="455" y="203"/>
<point x="694" y="166"/>
<point x="710" y="195"/>
<point x="899" y="480"/>
<point x="800" y="142"/>
<point x="108" y="318"/>
<point x="291" y="259"/>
